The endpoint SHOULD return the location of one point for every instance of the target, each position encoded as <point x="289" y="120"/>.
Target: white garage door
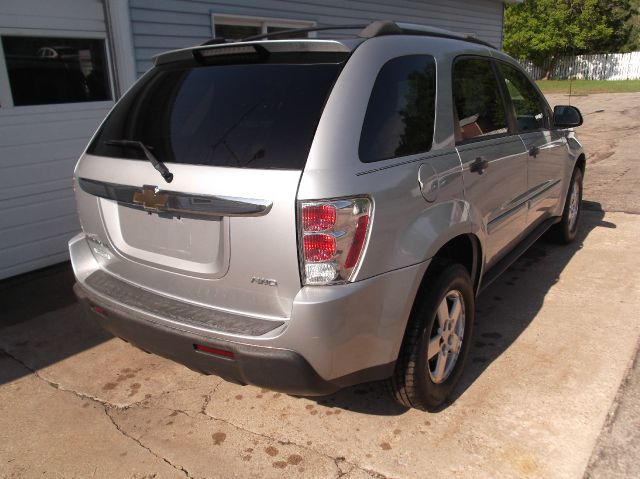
<point x="55" y="87"/>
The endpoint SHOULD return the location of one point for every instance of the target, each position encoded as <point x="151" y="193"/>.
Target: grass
<point x="585" y="87"/>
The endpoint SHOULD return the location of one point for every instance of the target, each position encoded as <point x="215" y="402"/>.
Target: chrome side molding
<point x="153" y="199"/>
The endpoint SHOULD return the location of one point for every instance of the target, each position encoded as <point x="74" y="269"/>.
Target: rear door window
<point x="479" y="105"/>
<point x="243" y="115"/>
<point x="400" y="114"/>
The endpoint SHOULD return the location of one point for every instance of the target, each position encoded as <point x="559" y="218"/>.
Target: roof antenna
<point x="573" y="63"/>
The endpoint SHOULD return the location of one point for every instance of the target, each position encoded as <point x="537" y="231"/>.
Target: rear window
<point x="244" y="116"/>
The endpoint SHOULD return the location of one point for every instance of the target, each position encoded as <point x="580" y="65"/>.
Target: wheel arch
<point x="465" y="249"/>
<point x="581" y="162"/>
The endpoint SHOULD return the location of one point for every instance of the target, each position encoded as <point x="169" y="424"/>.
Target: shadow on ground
<point x="518" y="295"/>
<point x="44" y="302"/>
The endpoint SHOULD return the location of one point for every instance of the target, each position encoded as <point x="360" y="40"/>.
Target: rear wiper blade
<point x="157" y="164"/>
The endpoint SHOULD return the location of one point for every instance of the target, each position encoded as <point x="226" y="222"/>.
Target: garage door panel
<point x="37" y="153"/>
<point x="37" y="198"/>
<point x="16" y="177"/>
<point x="35" y="193"/>
<point x="92" y="111"/>
<point x="52" y="247"/>
<point x="64" y="225"/>
<point x="65" y="24"/>
<point x="32" y="263"/>
<point x="77" y="9"/>
<point x="44" y="133"/>
<point x="36" y="212"/>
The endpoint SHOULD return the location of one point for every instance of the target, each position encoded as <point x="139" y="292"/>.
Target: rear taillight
<point x="333" y="236"/>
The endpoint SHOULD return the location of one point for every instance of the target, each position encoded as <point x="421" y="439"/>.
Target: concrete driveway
<point x="554" y="339"/>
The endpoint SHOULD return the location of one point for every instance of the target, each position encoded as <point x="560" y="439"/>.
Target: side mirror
<point x="565" y="116"/>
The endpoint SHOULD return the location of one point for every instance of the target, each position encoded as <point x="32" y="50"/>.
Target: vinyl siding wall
<point x="160" y="25"/>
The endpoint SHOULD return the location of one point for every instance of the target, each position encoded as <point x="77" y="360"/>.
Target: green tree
<point x="544" y="30"/>
<point x="633" y="43"/>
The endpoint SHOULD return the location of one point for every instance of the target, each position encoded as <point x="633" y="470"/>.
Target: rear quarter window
<point x="241" y="115"/>
<point x="400" y="115"/>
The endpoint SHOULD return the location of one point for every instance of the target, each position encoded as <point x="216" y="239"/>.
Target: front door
<point x="547" y="149"/>
<point x="493" y="157"/>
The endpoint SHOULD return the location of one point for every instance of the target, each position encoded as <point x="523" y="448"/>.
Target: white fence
<point x="611" y="66"/>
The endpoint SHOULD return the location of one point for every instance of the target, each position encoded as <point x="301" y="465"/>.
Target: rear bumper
<point x="277" y="369"/>
<point x="336" y="336"/>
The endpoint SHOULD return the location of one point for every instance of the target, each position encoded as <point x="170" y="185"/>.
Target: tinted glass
<point x="246" y="116"/>
<point x="237" y="32"/>
<point x="527" y="103"/>
<point x="477" y="99"/>
<point x="45" y="70"/>
<point x="400" y="115"/>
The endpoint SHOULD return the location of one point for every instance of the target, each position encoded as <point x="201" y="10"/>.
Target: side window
<point x="401" y="111"/>
<point x="479" y="106"/>
<point x="527" y="103"/>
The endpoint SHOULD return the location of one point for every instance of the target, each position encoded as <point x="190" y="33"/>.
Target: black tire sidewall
<point x="568" y="233"/>
<point x="455" y="277"/>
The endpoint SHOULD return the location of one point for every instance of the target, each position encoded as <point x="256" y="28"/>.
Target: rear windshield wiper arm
<point x="157" y="164"/>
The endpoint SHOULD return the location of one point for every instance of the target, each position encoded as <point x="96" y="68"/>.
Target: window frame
<point x="541" y="98"/>
<point x="262" y="22"/>
<point x="509" y="116"/>
<point x="435" y="110"/>
<point x="6" y="97"/>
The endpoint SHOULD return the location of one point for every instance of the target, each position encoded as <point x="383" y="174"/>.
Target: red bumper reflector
<point x="100" y="310"/>
<point x="214" y="351"/>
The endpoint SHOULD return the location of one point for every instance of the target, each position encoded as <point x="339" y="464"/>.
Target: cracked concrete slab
<point x="208" y="447"/>
<point x="130" y="379"/>
<point x="54" y="433"/>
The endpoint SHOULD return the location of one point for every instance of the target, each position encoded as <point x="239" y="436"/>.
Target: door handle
<point x="479" y="165"/>
<point x="533" y="151"/>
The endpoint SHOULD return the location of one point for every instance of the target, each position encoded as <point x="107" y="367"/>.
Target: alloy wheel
<point x="446" y="337"/>
<point x="574" y="204"/>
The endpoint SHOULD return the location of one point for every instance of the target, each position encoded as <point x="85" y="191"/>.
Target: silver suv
<point x="324" y="211"/>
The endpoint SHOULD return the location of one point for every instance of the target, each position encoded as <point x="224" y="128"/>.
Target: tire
<point x="423" y="383"/>
<point x="566" y="230"/>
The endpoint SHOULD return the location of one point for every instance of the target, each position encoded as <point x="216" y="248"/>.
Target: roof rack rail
<point x="371" y="30"/>
<point x="416" y="29"/>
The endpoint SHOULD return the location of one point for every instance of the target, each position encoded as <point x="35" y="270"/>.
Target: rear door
<point x="235" y="133"/>
<point x="546" y="148"/>
<point x="493" y="156"/>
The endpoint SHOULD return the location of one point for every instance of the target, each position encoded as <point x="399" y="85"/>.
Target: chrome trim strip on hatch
<point x="153" y="199"/>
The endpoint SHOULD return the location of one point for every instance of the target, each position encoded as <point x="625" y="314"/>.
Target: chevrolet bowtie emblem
<point x="150" y="199"/>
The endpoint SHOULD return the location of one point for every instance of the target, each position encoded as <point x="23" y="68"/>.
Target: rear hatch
<point x="234" y="126"/>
